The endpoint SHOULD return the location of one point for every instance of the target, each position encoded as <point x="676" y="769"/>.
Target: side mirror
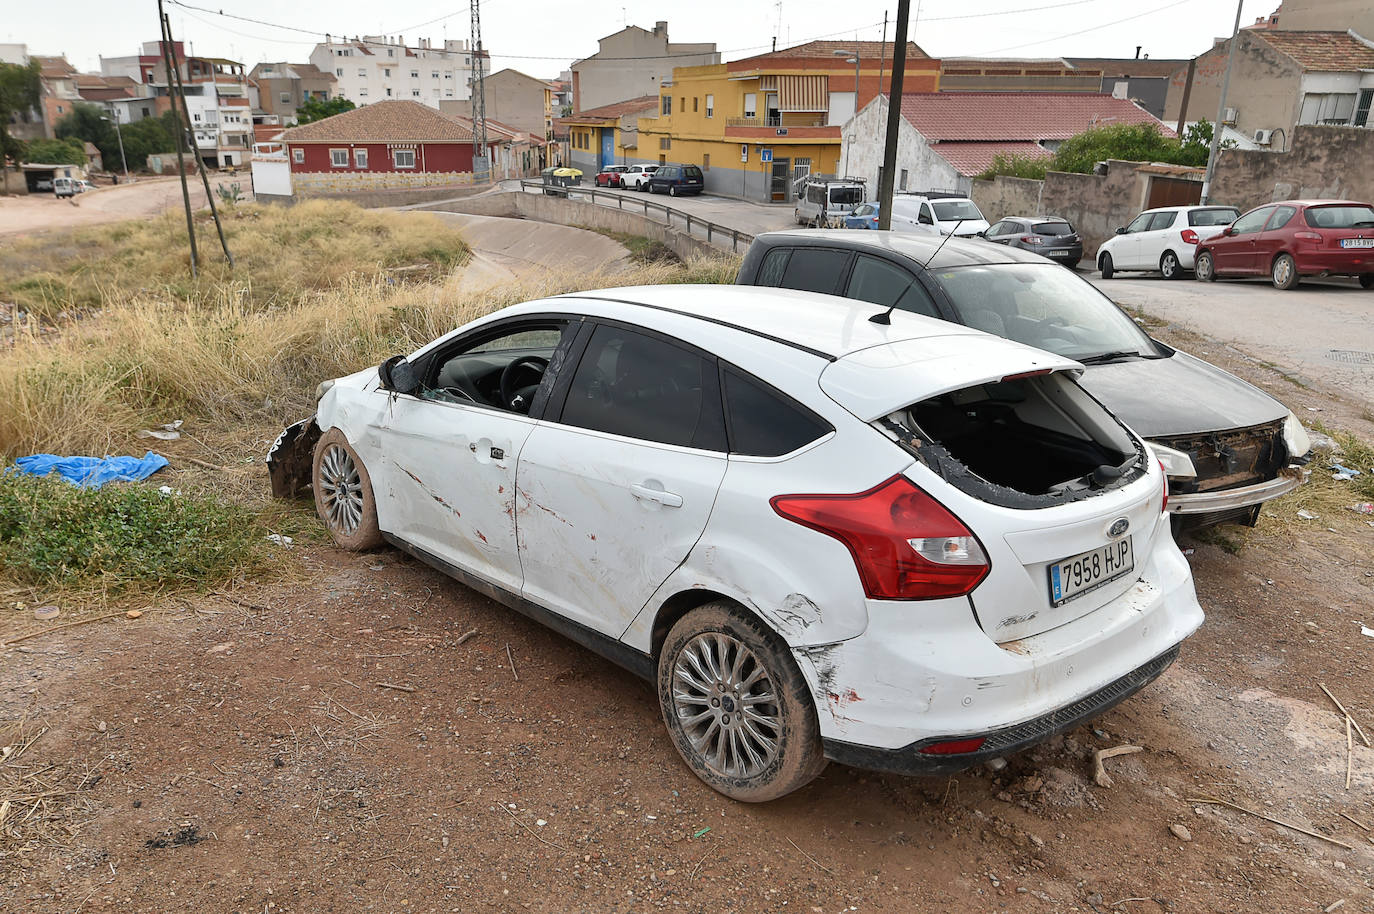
<point x="1121" y="229"/>
<point x="982" y="234"/>
<point x="397" y="375"/>
<point x="1229" y="230"/>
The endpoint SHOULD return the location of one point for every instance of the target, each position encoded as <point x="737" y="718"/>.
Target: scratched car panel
<point x="822" y="534"/>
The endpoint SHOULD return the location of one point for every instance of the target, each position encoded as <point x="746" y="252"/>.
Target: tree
<point x="90" y="124"/>
<point x="20" y="93"/>
<point x="1017" y="166"/>
<point x="56" y="152"/>
<point x="314" y="109"/>
<point x="150" y="136"/>
<point x="1127" y="142"/>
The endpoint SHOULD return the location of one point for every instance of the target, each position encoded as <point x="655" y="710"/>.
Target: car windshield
<point x="1045" y="306"/>
<point x="846" y="196"/>
<point x="1223" y="216"/>
<point x="1342" y="217"/>
<point x="1052" y="228"/>
<point x="954" y="210"/>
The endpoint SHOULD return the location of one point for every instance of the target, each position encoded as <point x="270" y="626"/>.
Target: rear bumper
<point x="910" y="760"/>
<point x="1068" y="255"/>
<point x="1351" y="262"/>
<point x="1229" y="499"/>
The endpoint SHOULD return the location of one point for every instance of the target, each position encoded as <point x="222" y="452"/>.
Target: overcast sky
<point x="542" y="37"/>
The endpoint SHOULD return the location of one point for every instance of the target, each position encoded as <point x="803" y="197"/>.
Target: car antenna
<point x="886" y="317"/>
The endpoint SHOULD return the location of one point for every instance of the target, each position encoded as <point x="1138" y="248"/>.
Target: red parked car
<point x="1292" y="239"/>
<point x="610" y="176"/>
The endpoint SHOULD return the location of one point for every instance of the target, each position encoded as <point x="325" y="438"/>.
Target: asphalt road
<point x="1319" y="332"/>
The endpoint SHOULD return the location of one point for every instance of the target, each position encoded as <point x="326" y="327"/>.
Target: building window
<point x="706" y="161"/>
<point x="1327" y="108"/>
<point x="338" y="71"/>
<point x="665" y="142"/>
<point x="434" y="75"/>
<point x="904" y="176"/>
<point x="667" y="105"/>
<point x="360" y="158"/>
<point x="448" y="93"/>
<point x="415" y="93"/>
<point x="403" y="158"/>
<point x="448" y="74"/>
<point x="386" y="71"/>
<point x="286" y="98"/>
<point x="1362" y="108"/>
<point x="338" y="158"/>
<point x="710" y="105"/>
<point x="362" y="71"/>
<point x="694" y="104"/>
<point x="362" y="93"/>
<point x="298" y="156"/>
<point x="390" y="53"/>
<point x="414" y="74"/>
<point x="388" y="91"/>
<point x="751" y="104"/>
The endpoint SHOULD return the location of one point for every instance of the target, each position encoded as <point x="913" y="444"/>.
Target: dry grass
<point x="41" y="806"/>
<point x="281" y="255"/>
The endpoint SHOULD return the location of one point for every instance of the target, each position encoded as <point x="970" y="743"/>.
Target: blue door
<point x="607" y="147"/>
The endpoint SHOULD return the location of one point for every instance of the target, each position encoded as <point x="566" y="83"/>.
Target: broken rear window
<point x="1029" y="442"/>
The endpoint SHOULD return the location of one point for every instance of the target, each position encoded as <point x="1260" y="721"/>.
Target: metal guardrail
<point x="714" y="231"/>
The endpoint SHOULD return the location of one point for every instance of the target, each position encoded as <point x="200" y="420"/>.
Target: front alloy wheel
<point x="1284" y="272"/>
<point x="343" y="494"/>
<point x="736" y="705"/>
<point x="1204" y="269"/>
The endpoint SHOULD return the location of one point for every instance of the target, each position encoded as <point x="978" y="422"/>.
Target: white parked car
<point x="636" y="177"/>
<point x="1162" y="239"/>
<point x="906" y="546"/>
<point x="958" y="216"/>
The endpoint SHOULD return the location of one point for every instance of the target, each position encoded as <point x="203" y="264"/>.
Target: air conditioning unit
<point x="1228" y="117"/>
<point x="1264" y="137"/>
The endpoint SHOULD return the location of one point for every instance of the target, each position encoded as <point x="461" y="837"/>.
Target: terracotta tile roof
<point x="613" y="112"/>
<point x="1018" y="116"/>
<point x="974" y="158"/>
<point x="383" y="122"/>
<point x="310" y="71"/>
<point x="1338" y="52"/>
<point x="54" y="67"/>
<point x="263" y="133"/>
<point x="827" y="49"/>
<point x="1113" y="67"/>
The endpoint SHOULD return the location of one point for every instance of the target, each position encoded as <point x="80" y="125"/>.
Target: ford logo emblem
<point x="1118" y="527"/>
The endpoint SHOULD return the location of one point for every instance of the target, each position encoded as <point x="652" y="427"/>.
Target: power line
<point x="1095" y="28"/>
<point x="1015" y="12"/>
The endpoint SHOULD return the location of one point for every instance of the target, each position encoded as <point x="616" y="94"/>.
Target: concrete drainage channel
<point x="684" y="234"/>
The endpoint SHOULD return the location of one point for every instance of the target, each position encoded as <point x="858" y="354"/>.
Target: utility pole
<point x="481" y="163"/>
<point x="1187" y="94"/>
<point x="204" y="178"/>
<point x="894" y="116"/>
<point x="1218" y="127"/>
<point x="114" y="115"/>
<point x="181" y="135"/>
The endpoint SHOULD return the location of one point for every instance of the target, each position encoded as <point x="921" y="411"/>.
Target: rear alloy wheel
<point x="672" y="190"/>
<point x="1168" y="265"/>
<point x="736" y="706"/>
<point x="1204" y="268"/>
<point x="1367" y="280"/>
<point x="1104" y="263"/>
<point x="1284" y="272"/>
<point x="343" y="494"/>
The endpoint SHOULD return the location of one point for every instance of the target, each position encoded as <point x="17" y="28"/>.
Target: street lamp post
<point x="114" y="114"/>
<point x="851" y="57"/>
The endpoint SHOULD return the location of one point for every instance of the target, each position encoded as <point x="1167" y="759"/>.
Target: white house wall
<point x="861" y="154"/>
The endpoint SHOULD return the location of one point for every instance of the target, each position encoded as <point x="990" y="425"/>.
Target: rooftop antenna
<point x="886" y="317"/>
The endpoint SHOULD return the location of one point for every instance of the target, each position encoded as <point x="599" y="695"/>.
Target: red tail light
<point x="1031" y="239"/>
<point x="1189" y="236"/>
<point x="1164" y="507"/>
<point x="905" y="544"/>
<point x="954" y="747"/>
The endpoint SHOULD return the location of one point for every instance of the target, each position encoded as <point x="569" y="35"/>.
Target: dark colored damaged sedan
<point x="1226" y="445"/>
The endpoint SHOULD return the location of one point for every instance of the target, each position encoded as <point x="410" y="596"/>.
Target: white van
<point x="937" y="215"/>
<point x="64" y="187"/>
<point x="824" y="200"/>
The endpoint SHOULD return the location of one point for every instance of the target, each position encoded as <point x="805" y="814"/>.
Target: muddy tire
<point x="1204" y="269"/>
<point x="343" y="494"/>
<point x="1104" y="263"/>
<point x="1283" y="272"/>
<point x="737" y="707"/>
<point x="1168" y="265"/>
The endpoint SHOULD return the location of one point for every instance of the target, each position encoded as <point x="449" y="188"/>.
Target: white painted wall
<point x="363" y="78"/>
<point x="861" y="153"/>
<point x="271" y="175"/>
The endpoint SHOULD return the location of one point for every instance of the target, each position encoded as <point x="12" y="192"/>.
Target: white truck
<point x="824" y="200"/>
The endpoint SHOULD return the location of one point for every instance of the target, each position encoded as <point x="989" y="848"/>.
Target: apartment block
<point x="376" y="68"/>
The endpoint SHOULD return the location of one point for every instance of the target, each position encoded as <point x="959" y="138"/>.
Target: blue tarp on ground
<point x="92" y="472"/>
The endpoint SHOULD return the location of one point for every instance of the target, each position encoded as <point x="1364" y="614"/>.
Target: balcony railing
<point x="771" y="122"/>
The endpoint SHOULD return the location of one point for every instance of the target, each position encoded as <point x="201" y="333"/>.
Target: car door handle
<point x="667" y="499"/>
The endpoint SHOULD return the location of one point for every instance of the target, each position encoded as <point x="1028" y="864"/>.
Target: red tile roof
<point x="613" y="112"/>
<point x="975" y="158"/>
<point x="1339" y="52"/>
<point x="383" y="122"/>
<point x="1018" y="116"/>
<point x="54" y="67"/>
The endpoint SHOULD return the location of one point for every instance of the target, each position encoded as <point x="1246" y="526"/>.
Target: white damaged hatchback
<point x="905" y="546"/>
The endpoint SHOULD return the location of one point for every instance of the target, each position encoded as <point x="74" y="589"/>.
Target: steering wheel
<point x="513" y="397"/>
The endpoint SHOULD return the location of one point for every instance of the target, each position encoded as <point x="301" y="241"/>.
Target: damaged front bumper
<point x="1242" y="497"/>
<point x="291" y="459"/>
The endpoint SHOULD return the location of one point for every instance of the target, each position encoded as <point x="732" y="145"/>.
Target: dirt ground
<point x="145" y="197"/>
<point x="239" y="753"/>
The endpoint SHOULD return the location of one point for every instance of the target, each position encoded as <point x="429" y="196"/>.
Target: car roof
<point x="954" y="252"/>
<point x="820" y="324"/>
